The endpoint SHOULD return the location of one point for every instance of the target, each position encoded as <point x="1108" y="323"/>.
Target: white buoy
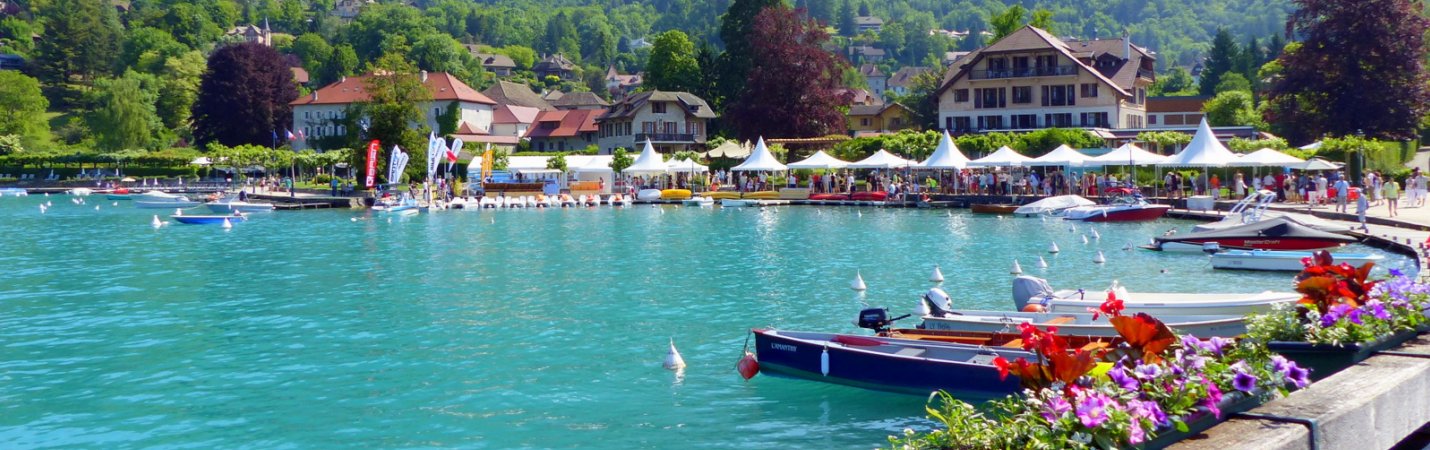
<point x="49" y="203"/>
<point x="1044" y="218"/>
<point x="1084" y="239"/>
<point x="858" y="283"/>
<point x="859" y="213"/>
<point x="923" y="308"/>
<point x="1017" y="269"/>
<point x="96" y="207"/>
<point x="1127" y="246"/>
<point x="114" y="204"/>
<point x="42" y="209"/>
<point x="156" y="222"/>
<point x="1095" y="234"/>
<point x="354" y="219"/>
<point x="673" y="361"/>
<point x="1053" y="248"/>
<point x="1099" y="258"/>
<point x="1072" y="228"/>
<point x="227" y="224"/>
<point x="1042" y="263"/>
<point x="937" y="276"/>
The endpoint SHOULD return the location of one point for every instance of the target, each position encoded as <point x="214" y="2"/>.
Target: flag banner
<point x="487" y="162"/>
<point x="399" y="163"/>
<point x="452" y="152"/>
<point x="371" y="178"/>
<point x="435" y="147"/>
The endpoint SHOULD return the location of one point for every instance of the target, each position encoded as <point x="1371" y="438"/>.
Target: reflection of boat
<point x="1029" y="290"/>
<point x="992" y="208"/>
<point x="1281" y="260"/>
<point x="886" y="364"/>
<point x="209" y="220"/>
<point x="1279" y="233"/>
<point x="1126" y="206"/>
<point x="230" y="204"/>
<point x="1052" y="206"/>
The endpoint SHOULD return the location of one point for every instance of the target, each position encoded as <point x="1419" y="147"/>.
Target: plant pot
<point x="1202" y="420"/>
<point x="1325" y="359"/>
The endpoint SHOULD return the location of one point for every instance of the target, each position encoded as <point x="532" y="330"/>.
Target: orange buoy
<point x="1034" y="308"/>
<point x="748" y="366"/>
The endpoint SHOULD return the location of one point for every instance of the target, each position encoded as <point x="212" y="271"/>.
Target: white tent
<point x="730" y="149"/>
<point x="202" y="161"/>
<point x="1204" y="151"/>
<point x="1317" y="164"/>
<point x="881" y="159"/>
<point x="1311" y="146"/>
<point x="761" y="160"/>
<point x="1128" y="155"/>
<point x="819" y="160"/>
<point x="1061" y="156"/>
<point x="590" y="164"/>
<point x="685" y="166"/>
<point x="1268" y="158"/>
<point x="649" y="162"/>
<point x="946" y="156"/>
<point x="1004" y="157"/>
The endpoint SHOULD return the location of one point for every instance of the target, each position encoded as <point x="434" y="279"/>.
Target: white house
<point x="316" y="115"/>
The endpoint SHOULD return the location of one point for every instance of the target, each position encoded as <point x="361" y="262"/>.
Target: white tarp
<point x="946" y="156"/>
<point x="881" y="159"/>
<point x="1061" y="156"/>
<point x="819" y="160"/>
<point x="1051" y="204"/>
<point x="730" y="149"/>
<point x="589" y="163"/>
<point x="1204" y="151"/>
<point x="1318" y="164"/>
<point x="1268" y="158"/>
<point x="1129" y="155"/>
<point x="1004" y="157"/>
<point x="761" y="160"/>
<point x="685" y="166"/>
<point x="648" y="162"/>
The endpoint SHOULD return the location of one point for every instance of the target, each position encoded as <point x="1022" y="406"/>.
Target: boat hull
<point x="1000" y="322"/>
<point x="1249" y="243"/>
<point x="165" y="204"/>
<point x="993" y="209"/>
<point x="1279" y="260"/>
<point x="1117" y="213"/>
<point x="230" y="208"/>
<point x="849" y="365"/>
<point x="207" y="220"/>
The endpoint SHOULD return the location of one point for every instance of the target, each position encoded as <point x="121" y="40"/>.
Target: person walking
<point x="1239" y="184"/>
<point x="1342" y="193"/>
<point x="1390" y="191"/>
<point x="1362" y="204"/>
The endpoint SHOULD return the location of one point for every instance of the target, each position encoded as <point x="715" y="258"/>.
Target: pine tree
<point x="1221" y="60"/>
<point x="847" y="27"/>
<point x="81" y="39"/>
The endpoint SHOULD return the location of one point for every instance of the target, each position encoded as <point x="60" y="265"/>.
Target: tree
<point x="243" y="96"/>
<point x="146" y="49"/>
<point x="1232" y="108"/>
<point x="1232" y="81"/>
<point x="81" y="39"/>
<point x="736" y="29"/>
<point x="557" y="162"/>
<point x="921" y="99"/>
<point x="343" y="63"/>
<point x="1219" y="62"/>
<point x="1007" y="22"/>
<point x="672" y="65"/>
<point x="179" y="81"/>
<point x="123" y="115"/>
<point x="794" y="87"/>
<point x="1042" y="18"/>
<point x="1384" y="94"/>
<point x="190" y="24"/>
<point x="450" y="119"/>
<point x="847" y="26"/>
<point x="1174" y="82"/>
<point x="396" y="93"/>
<point x="24" y="111"/>
<point x="314" y="52"/>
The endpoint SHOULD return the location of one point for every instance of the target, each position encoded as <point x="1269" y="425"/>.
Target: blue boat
<point x="887" y="364"/>
<point x="209" y="220"/>
<point x="1288" y="261"/>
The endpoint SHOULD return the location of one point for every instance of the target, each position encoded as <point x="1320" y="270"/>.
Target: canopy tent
<point x="1268" y="158"/>
<point x="881" y="159"/>
<point x="1204" y="151"/>
<point x="1004" y="157"/>
<point x="1061" y="156"/>
<point x="1311" y="146"/>
<point x="730" y="149"/>
<point x="685" y="166"/>
<point x="761" y="160"/>
<point x="202" y="161"/>
<point x="1128" y="155"/>
<point x="591" y="164"/>
<point x="1317" y="164"/>
<point x="946" y="156"/>
<point x="649" y="162"/>
<point x="819" y="160"/>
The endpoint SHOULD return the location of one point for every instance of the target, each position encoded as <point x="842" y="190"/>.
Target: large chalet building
<point x="316" y="115"/>
<point x="672" y="121"/>
<point x="1031" y="79"/>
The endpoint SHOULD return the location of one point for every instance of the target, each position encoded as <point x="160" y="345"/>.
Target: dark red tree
<point x="1360" y="67"/>
<point x="243" y="96"/>
<point x="794" y="88"/>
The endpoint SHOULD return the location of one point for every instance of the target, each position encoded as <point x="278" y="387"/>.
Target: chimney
<point x="315" y="96"/>
<point x="1126" y="47"/>
<point x="343" y="79"/>
<point x="424" y="76"/>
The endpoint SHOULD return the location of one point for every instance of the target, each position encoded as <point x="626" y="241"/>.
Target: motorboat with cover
<point x="1052" y="206"/>
<point x="1281" y="260"/>
<point x="231" y="203"/>
<point x="163" y="200"/>
<point x="944" y="318"/>
<point x="1030" y="290"/>
<point x="209" y="220"/>
<point x="1279" y="233"/>
<point x="1126" y="205"/>
<point x="887" y="364"/>
<point x="1253" y="209"/>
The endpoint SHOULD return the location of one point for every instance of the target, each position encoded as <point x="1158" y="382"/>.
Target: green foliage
<point x="620" y="160"/>
<point x="1008" y="21"/>
<point x="124" y="115"/>
<point x="179" y="80"/>
<point x="1219" y="62"/>
<point x="672" y="65"/>
<point x="1379" y="155"/>
<point x="450" y="119"/>
<point x="81" y="39"/>
<point x="557" y="162"/>
<point x="1173" y="82"/>
<point x="1232" y="108"/>
<point x="1163" y="141"/>
<point x="1242" y="145"/>
<point x="23" y="115"/>
<point x="315" y="53"/>
<point x="10" y="144"/>
<point x="15" y="36"/>
<point x="1233" y="81"/>
<point x="396" y="96"/>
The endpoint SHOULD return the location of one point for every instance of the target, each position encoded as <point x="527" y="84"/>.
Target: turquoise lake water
<point x="489" y="329"/>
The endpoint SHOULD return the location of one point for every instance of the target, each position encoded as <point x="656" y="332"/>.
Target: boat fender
<point x="824" y="361"/>
<point x="748" y="366"/>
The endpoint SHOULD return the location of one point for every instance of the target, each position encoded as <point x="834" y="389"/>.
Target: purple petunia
<point x="1377" y="309"/>
<point x="1189" y="341"/>
<point x="1298" y="376"/>
<point x="1092" y="410"/>
<point x="1279" y="364"/>
<point x="1119" y="375"/>
<point x="1148" y="409"/>
<point x="1055" y="408"/>
<point x="1243" y="380"/>
<point x="1148" y="371"/>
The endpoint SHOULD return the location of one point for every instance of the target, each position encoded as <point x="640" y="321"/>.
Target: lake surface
<point x="490" y="329"/>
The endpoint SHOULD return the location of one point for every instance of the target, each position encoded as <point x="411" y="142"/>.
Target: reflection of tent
<point x="819" y="160"/>
<point x="761" y="160"/>
<point x="1318" y="164"/>
<point x="1268" y="158"/>
<point x="1061" y="156"/>
<point x="647" y="163"/>
<point x="1128" y="155"/>
<point x="946" y="156"/>
<point x="1004" y="157"/>
<point x="685" y="166"/>
<point x="730" y="149"/>
<point x="881" y="159"/>
<point x="1204" y="151"/>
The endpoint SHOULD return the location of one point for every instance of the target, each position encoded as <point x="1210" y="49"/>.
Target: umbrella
<point x="1318" y="164"/>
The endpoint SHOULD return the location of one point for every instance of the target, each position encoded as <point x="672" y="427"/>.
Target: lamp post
<point x="1360" y="168"/>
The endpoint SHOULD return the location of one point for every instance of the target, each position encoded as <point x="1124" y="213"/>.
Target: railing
<point x="665" y="137"/>
<point x="1051" y="71"/>
<point x="1144" y="73"/>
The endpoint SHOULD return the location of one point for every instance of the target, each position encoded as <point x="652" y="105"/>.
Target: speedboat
<point x="1052" y="206"/>
<point x="1281" y="260"/>
<point x="1279" y="233"/>
<point x="992" y="208"/>
<point x="1253" y="209"/>
<point x="404" y="206"/>
<point x="163" y="202"/>
<point x="1029" y="290"/>
<point x="887" y="364"/>
<point x="1126" y="206"/>
<point x="209" y="220"/>
<point x="231" y="204"/>
<point x="122" y="193"/>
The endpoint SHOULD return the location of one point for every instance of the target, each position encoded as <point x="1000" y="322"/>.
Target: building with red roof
<point x="564" y="130"/>
<point x="319" y="114"/>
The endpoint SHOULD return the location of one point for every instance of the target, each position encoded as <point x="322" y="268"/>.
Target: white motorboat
<point x="1253" y="209"/>
<point x="230" y="204"/>
<point x="1052" y="206"/>
<point x="404" y="206"/>
<point x="1029" y="290"/>
<point x="81" y="192"/>
<point x="1080" y="324"/>
<point x="147" y="202"/>
<point x="698" y="201"/>
<point x="1281" y="260"/>
<point x="1127" y="205"/>
<point x="157" y="195"/>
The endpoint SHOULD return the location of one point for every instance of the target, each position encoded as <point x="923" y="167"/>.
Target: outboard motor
<point x="1026" y="288"/>
<point x="877" y="319"/>
<point x="1211" y="248"/>
<point x="938" y="302"/>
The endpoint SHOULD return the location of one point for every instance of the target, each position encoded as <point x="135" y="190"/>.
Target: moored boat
<point x="165" y="202"/>
<point x="209" y="220"/>
<point x="648" y="194"/>
<point x="1279" y="233"/>
<point x="875" y="196"/>
<point x="1083" y="324"/>
<point x="1029" y="290"/>
<point x="14" y="192"/>
<point x="231" y="204"/>
<point x="1052" y="206"/>
<point x="1126" y="206"/>
<point x="1281" y="260"/>
<point x="990" y="208"/>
